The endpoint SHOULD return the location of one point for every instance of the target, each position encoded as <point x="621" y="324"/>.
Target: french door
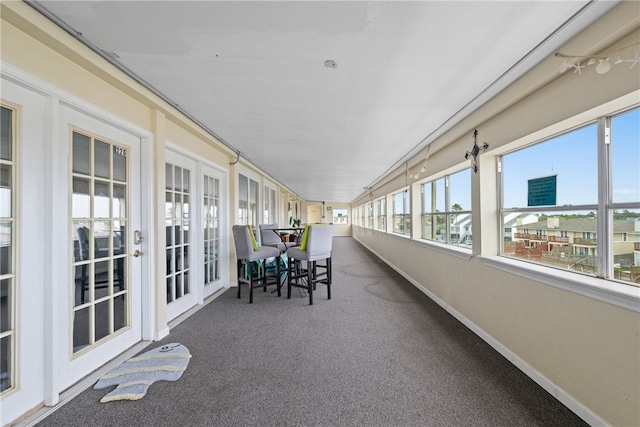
<point x="105" y="242"/>
<point x="195" y="240"/>
<point x="180" y="191"/>
<point x="213" y="222"/>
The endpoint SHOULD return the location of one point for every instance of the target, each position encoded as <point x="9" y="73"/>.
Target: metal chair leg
<point x="310" y="282"/>
<point x="239" y="276"/>
<point x="328" y="278"/>
<point x="289" y="275"/>
<point x="250" y="284"/>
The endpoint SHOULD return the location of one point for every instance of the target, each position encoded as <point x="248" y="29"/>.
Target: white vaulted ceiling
<point x="253" y="73"/>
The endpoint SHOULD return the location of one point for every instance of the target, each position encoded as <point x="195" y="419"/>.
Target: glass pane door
<point x="100" y="215"/>
<point x="177" y="226"/>
<point x="211" y="229"/>
<point x="7" y="252"/>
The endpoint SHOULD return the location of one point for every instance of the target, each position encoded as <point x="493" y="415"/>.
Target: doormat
<point x="135" y="376"/>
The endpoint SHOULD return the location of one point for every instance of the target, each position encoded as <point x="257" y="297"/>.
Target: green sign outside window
<point x="542" y="191"/>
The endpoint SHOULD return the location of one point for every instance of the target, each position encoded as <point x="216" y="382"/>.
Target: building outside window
<point x="446" y="209"/>
<point x="586" y="201"/>
<point x="340" y="216"/>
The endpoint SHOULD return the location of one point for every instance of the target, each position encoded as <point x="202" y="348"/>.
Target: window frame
<point x="405" y="214"/>
<point x="381" y="214"/>
<point x="252" y="217"/>
<point x="589" y="284"/>
<point x="370" y="216"/>
<point x="270" y="203"/>
<point x="343" y="219"/>
<point x="448" y="213"/>
<point x="108" y="297"/>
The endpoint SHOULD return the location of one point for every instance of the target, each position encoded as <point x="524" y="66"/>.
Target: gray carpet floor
<point x="379" y="353"/>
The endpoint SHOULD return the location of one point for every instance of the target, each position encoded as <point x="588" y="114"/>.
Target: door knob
<point x="138" y="253"/>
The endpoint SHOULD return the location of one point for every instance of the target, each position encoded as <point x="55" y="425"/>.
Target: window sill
<point x="618" y="294"/>
<point x="444" y="248"/>
<point x="398" y="235"/>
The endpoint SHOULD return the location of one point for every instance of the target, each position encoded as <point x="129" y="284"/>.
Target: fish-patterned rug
<point x="134" y="377"/>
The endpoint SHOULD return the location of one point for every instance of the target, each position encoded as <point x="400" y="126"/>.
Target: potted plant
<point x="294" y="223"/>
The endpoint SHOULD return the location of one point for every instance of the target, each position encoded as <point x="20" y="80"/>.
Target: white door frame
<point x="74" y="367"/>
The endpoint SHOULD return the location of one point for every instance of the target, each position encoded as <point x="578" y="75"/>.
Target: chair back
<point x="319" y="241"/>
<point x="268" y="236"/>
<point x="242" y="240"/>
<point x="83" y="242"/>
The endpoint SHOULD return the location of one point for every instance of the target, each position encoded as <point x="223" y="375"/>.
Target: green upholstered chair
<point x="252" y="260"/>
<point x="315" y="247"/>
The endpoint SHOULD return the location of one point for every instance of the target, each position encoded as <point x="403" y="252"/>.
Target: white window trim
<point x="607" y="291"/>
<point x="445" y="248"/>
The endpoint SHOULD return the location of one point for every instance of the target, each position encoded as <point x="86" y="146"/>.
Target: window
<point x="211" y="228"/>
<point x="446" y="209"/>
<point x="381" y="210"/>
<point x="402" y="213"/>
<point x="579" y="199"/>
<point x="100" y="212"/>
<point x="7" y="251"/>
<point x="177" y="225"/>
<point x="248" y="201"/>
<point x="625" y="196"/>
<point x="370" y="215"/>
<point x="270" y="206"/>
<point x="340" y="216"/>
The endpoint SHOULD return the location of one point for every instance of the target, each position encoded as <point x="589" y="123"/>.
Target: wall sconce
<point x="476" y="150"/>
